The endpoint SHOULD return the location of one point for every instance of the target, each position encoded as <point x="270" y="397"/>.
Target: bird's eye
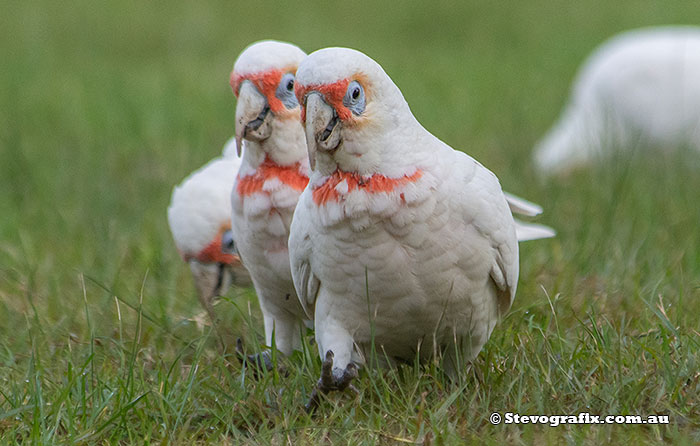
<point x="285" y="91"/>
<point x="355" y="98"/>
<point x="228" y="246"/>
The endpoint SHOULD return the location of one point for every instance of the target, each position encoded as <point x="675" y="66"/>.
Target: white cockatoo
<point x="641" y="87"/>
<point x="398" y="238"/>
<point x="199" y="216"/>
<point x="273" y="173"/>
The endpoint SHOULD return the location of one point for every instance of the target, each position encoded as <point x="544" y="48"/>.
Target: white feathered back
<point x="640" y="87"/>
<point x="201" y="204"/>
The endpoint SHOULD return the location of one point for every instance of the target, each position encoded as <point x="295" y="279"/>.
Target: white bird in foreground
<point x="398" y="238"/>
<point x="273" y="173"/>
<point x="641" y="87"/>
<point x="199" y="216"/>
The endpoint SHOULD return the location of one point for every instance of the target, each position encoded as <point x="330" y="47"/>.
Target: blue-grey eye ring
<point x="354" y="98"/>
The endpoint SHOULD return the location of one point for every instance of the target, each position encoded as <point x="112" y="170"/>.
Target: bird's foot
<point x="332" y="379"/>
<point x="258" y="363"/>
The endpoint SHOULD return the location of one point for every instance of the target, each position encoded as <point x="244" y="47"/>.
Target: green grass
<point x="105" y="106"/>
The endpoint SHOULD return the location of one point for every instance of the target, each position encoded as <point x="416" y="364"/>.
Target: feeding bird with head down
<point x="640" y="89"/>
<point x="199" y="216"/>
<point x="399" y="239"/>
<point x="274" y="171"/>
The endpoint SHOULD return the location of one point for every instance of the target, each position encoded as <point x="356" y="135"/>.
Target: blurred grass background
<point x="104" y="106"/>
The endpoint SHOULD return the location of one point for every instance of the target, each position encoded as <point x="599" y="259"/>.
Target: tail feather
<point x="532" y="231"/>
<point x="521" y="206"/>
<point x="527" y="231"/>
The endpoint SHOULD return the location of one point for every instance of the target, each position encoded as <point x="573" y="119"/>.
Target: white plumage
<point x="641" y="88"/>
<point x="273" y="173"/>
<point x="398" y="237"/>
<point x="199" y="215"/>
<point x="526" y="231"/>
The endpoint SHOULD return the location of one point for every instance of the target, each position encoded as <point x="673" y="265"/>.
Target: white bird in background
<point x="640" y="88"/>
<point x="199" y="216"/>
<point x="398" y="237"/>
<point x="273" y="173"/>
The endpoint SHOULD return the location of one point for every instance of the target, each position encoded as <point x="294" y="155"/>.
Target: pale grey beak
<point x="211" y="280"/>
<point x="252" y="116"/>
<point x="322" y="127"/>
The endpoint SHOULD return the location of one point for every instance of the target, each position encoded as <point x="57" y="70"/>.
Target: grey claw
<point x="349" y="374"/>
<point x="326" y="380"/>
<point x="257" y="363"/>
<point x="332" y="380"/>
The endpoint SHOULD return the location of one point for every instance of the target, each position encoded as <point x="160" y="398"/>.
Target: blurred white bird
<point x="273" y="173"/>
<point x="640" y="88"/>
<point x="398" y="238"/>
<point x="199" y="216"/>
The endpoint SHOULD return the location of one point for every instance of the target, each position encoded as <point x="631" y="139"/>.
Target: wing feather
<point x="488" y="209"/>
<point x="306" y="283"/>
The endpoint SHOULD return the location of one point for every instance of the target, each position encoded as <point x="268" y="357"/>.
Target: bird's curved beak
<point x="252" y="115"/>
<point x="211" y="280"/>
<point x="322" y="127"/>
<point x="240" y="276"/>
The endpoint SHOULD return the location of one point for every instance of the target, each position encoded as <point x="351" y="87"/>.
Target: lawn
<point x="104" y="106"/>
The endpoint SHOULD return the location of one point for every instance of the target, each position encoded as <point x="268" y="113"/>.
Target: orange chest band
<point x="375" y="184"/>
<point x="288" y="175"/>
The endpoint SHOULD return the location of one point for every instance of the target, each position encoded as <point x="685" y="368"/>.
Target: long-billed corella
<point x="640" y="89"/>
<point x="199" y="216"/>
<point x="398" y="239"/>
<point x="273" y="173"/>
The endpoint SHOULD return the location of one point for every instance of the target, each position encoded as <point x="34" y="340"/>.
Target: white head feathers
<point x="200" y="206"/>
<point x="266" y="55"/>
<point x="329" y="65"/>
<point x="332" y="65"/>
<point x="370" y="125"/>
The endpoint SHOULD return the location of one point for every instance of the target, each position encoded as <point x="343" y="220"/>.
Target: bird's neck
<point x="393" y="152"/>
<point x="262" y="162"/>
<point x="286" y="144"/>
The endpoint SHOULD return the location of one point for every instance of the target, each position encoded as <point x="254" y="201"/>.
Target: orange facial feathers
<point x="268" y="169"/>
<point x="266" y="82"/>
<point x="377" y="183"/>
<point x="212" y="253"/>
<point x="332" y="93"/>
